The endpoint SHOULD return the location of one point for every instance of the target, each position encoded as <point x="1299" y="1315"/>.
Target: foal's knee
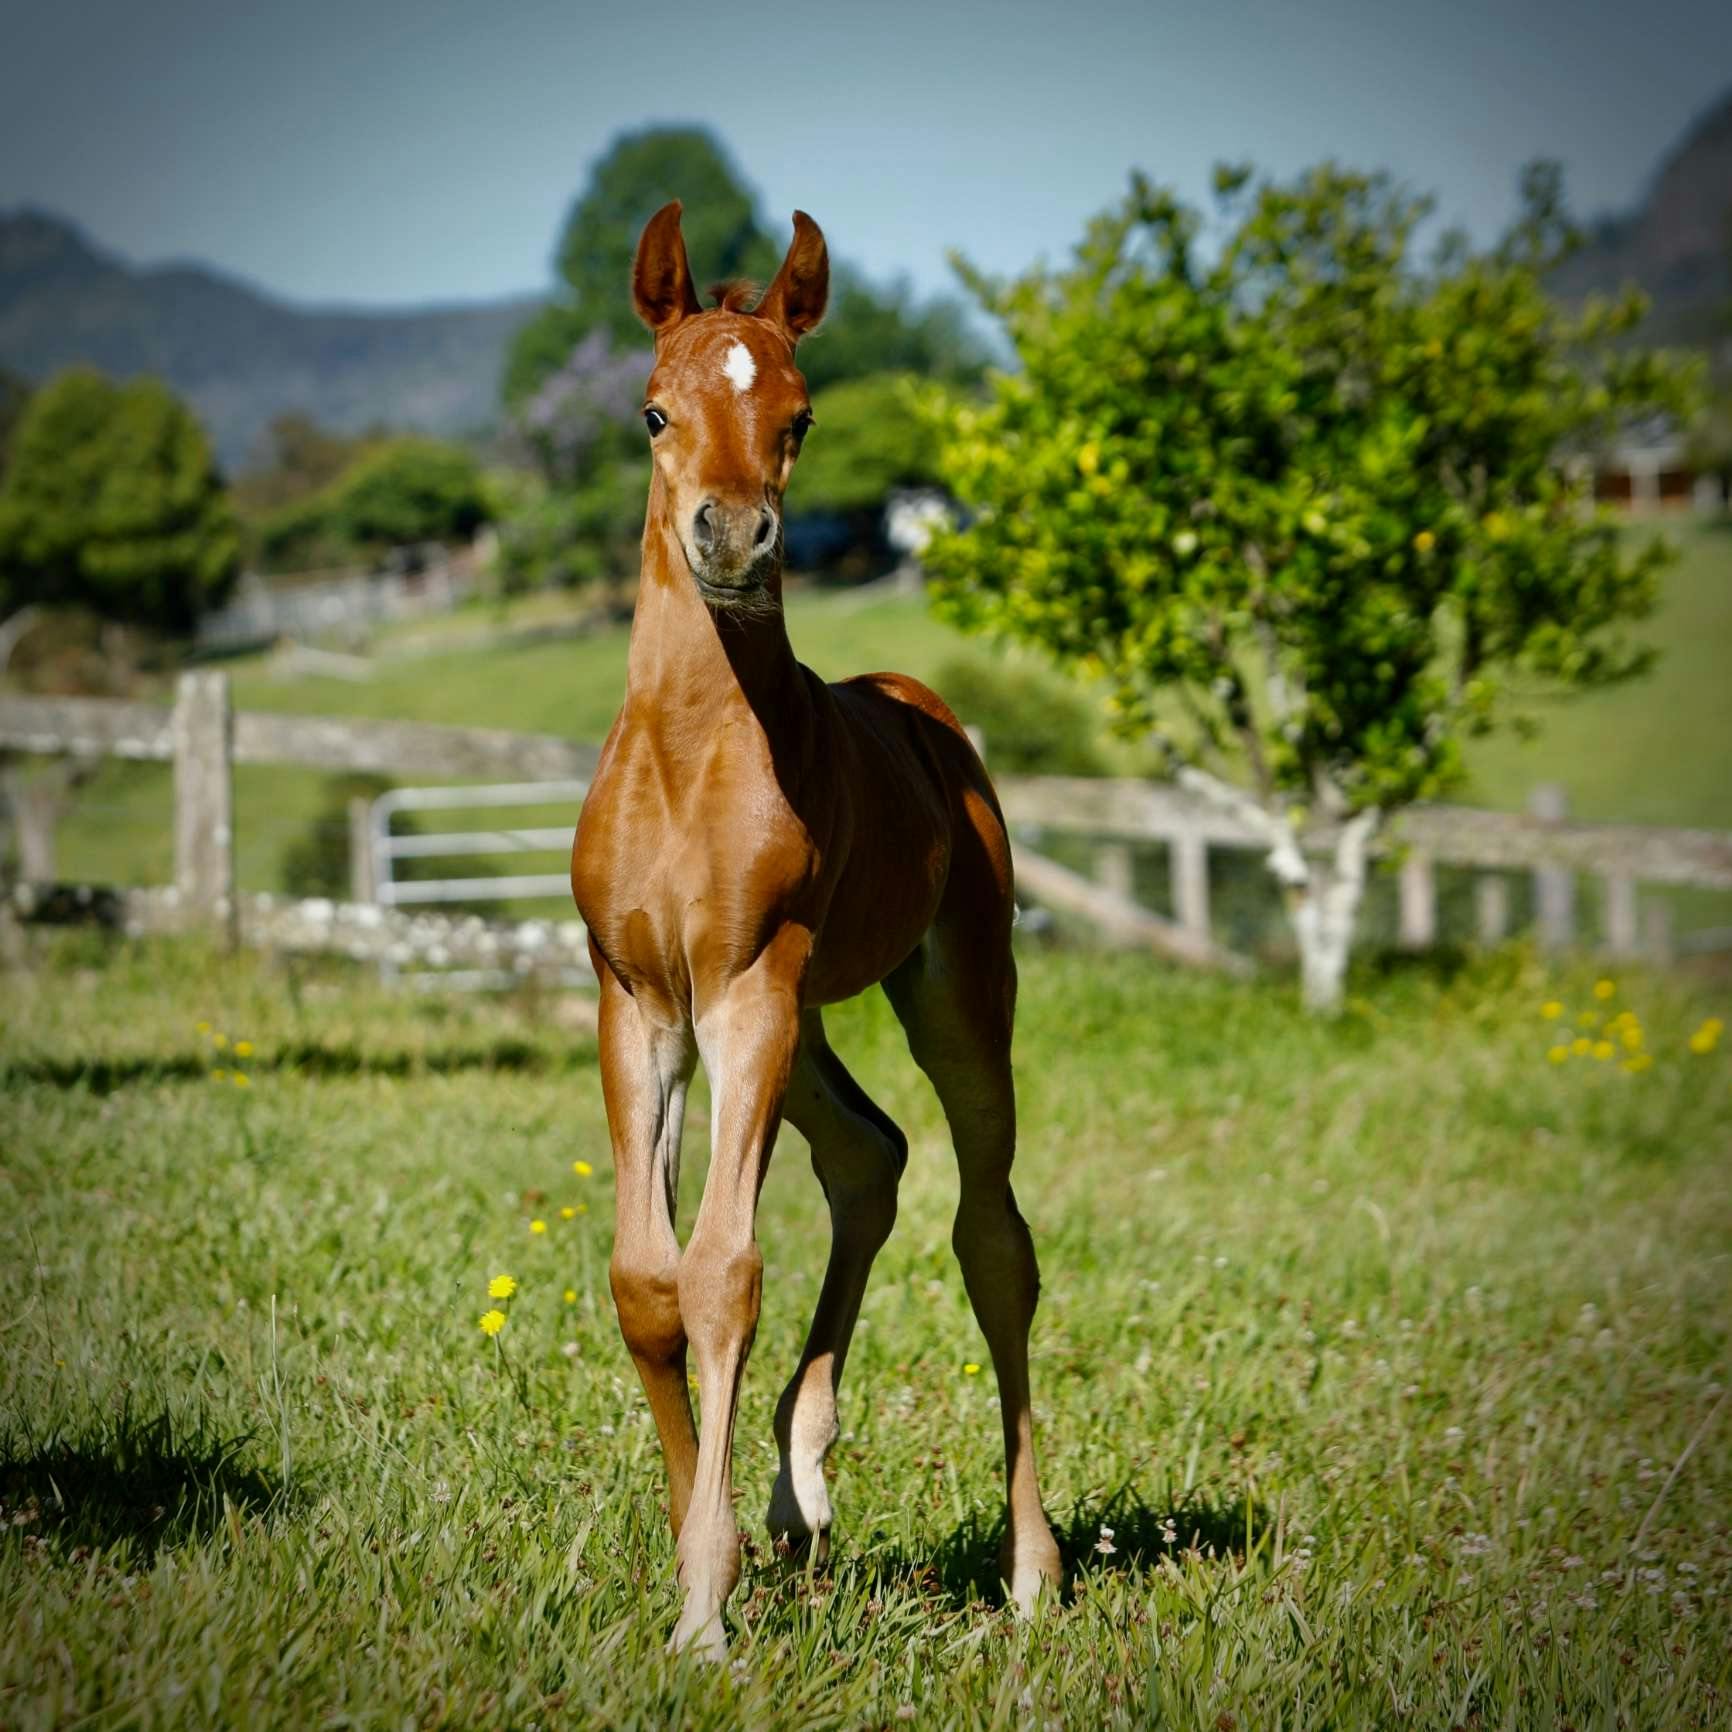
<point x="646" y="1295"/>
<point x="720" y="1288"/>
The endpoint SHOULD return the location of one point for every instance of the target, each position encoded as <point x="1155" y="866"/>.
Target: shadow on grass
<point x="963" y="1569"/>
<point x="309" y="1058"/>
<point x="139" y="1480"/>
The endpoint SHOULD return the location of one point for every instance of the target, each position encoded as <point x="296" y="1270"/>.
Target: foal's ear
<point x="661" y="277"/>
<point x="796" y="299"/>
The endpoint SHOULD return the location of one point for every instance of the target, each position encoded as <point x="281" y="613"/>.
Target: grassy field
<point x="1381" y="1369"/>
<point x="1648" y="753"/>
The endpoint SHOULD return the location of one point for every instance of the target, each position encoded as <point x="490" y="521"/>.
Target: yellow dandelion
<point x="492" y="1321"/>
<point x="1551" y="1010"/>
<point x="242" y="1080"/>
<point x="1581" y="1046"/>
<point x="1702" y="1041"/>
<point x="219" y="1076"/>
<point x="1424" y="541"/>
<point x="202" y="1026"/>
<point x="1635" y="1066"/>
<point x="1631" y="1036"/>
<point x="570" y="1295"/>
<point x="243" y="1049"/>
<point x="1604" y="989"/>
<point x="219" y="1041"/>
<point x="971" y="1369"/>
<point x="538" y="1226"/>
<point x="1557" y="1054"/>
<point x="1714" y="1026"/>
<point x="567" y="1213"/>
<point x="1603" y="1049"/>
<point x="501" y="1286"/>
<point x="582" y="1168"/>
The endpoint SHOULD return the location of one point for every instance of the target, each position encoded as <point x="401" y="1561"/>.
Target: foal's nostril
<point x="704" y="525"/>
<point x="766" y="531"/>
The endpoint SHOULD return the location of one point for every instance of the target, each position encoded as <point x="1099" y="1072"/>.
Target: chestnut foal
<point x="755" y="845"/>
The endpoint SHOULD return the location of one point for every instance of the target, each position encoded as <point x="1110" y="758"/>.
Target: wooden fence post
<point x="204" y="804"/>
<point x="1620" y="929"/>
<point x="1417" y="885"/>
<point x="1491" y="908"/>
<point x="1113" y="869"/>
<point x="1189" y="866"/>
<point x="1554" y="886"/>
<point x="363" y="878"/>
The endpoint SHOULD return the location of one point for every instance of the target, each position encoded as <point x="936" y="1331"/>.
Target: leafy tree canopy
<point x="394" y="493"/>
<point x="14" y="394"/>
<point x="112" y="501"/>
<point x="867" y="438"/>
<point x="1306" y="503"/>
<point x="868" y="330"/>
<point x="302" y="458"/>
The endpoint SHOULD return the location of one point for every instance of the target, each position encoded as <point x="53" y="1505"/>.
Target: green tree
<point x="867" y="438"/>
<point x="1305" y="503"/>
<point x="302" y="459"/>
<point x="393" y="493"/>
<point x="14" y="394"/>
<point x="637" y="176"/>
<point x="867" y="330"/>
<point x="409" y="490"/>
<point x="112" y="501"/>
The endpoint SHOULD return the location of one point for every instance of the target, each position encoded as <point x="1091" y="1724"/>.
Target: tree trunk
<point x="1323" y="910"/>
<point x="1322" y="898"/>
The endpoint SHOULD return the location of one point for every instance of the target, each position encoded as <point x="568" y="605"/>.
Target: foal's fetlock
<point x="1030" y="1567"/>
<point x="708" y="1564"/>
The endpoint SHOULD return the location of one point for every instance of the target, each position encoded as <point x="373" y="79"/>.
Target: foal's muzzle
<point x="734" y="548"/>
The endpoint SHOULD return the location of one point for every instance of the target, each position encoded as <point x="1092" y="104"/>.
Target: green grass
<point x="1399" y="1331"/>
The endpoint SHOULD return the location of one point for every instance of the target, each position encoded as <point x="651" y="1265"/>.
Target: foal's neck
<point x="692" y="668"/>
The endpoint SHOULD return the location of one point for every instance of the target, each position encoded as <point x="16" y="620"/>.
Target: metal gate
<point x="394" y="891"/>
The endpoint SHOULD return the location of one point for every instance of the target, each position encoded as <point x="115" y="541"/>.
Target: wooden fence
<point x="204" y="738"/>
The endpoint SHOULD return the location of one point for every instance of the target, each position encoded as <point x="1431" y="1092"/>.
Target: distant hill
<point x="1676" y="245"/>
<point x="239" y="356"/>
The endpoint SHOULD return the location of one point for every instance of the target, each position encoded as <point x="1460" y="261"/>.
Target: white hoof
<point x="800" y="1521"/>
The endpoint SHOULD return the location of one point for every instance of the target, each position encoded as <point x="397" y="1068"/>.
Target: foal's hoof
<point x="794" y="1532"/>
<point x="703" y="1638"/>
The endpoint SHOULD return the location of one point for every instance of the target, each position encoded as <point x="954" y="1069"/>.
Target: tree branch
<point x="1286" y="858"/>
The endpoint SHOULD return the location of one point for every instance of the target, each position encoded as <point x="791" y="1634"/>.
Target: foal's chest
<point x="683" y="884"/>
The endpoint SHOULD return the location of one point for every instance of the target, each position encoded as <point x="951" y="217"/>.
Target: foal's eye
<point x="802" y="425"/>
<point x="655" y="420"/>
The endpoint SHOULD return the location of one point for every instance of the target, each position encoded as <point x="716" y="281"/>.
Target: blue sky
<point x="384" y="153"/>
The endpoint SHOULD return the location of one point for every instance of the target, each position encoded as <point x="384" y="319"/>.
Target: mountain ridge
<point x="239" y="354"/>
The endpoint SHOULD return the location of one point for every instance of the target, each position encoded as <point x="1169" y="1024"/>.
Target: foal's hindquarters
<point x="766" y="1055"/>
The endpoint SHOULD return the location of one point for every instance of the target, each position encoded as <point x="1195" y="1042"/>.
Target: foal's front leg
<point x="646" y="1062"/>
<point x="748" y="1039"/>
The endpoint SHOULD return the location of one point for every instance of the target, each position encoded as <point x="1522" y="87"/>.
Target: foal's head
<point x="726" y="407"/>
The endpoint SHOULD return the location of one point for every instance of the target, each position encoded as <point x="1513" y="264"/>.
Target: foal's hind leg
<point x="956" y="998"/>
<point x="858" y="1155"/>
